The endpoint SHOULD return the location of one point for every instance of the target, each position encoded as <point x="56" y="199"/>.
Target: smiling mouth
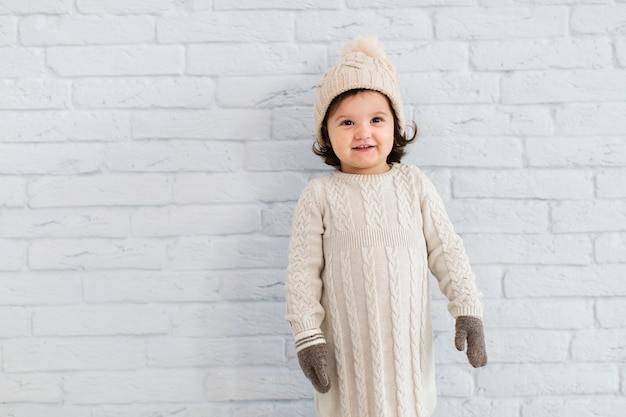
<point x="363" y="147"/>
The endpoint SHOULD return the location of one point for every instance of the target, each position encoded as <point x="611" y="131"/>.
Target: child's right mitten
<point x="471" y="329"/>
<point x="314" y="363"/>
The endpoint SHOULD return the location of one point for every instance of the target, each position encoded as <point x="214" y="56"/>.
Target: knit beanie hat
<point x="363" y="65"/>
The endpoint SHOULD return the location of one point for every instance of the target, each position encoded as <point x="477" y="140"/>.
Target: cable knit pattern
<point x="373" y="315"/>
<point x="378" y="235"/>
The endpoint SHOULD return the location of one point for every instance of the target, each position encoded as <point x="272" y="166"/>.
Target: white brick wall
<point x="151" y="153"/>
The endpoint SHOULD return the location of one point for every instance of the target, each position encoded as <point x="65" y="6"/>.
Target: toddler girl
<point x="363" y="239"/>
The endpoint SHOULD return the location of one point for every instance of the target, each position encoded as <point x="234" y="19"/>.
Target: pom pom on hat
<point x="368" y="45"/>
<point x="363" y="65"/>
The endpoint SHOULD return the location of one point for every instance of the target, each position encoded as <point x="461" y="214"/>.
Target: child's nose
<point x="363" y="132"/>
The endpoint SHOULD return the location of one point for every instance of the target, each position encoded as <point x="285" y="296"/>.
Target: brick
<point x="502" y="216"/>
<point x="602" y="151"/>
<point x="35" y="6"/>
<point x="273" y="4"/>
<point x="96" y="254"/>
<point x="33" y="355"/>
<point x="589" y="216"/>
<point x="292" y="155"/>
<point x="298" y="408"/>
<point x="238" y="187"/>
<point x="55" y="126"/>
<point x="590" y="119"/>
<point x="123" y="7"/>
<point x="29" y="94"/>
<point x="31" y="388"/>
<point x="415" y="56"/>
<point x="14" y="322"/>
<point x="110" y="320"/>
<point x="538" y="54"/>
<point x="457" y="152"/>
<point x="599" y="345"/>
<point x="40" y="289"/>
<point x="611" y="248"/>
<point x="520" y="346"/>
<point x="607" y="406"/>
<point x="116" y="60"/>
<point x="49" y="410"/>
<point x="232" y="124"/>
<point x="24" y="159"/>
<point x="174" y="156"/>
<point x="500" y="3"/>
<point x="292" y="123"/>
<point x="610" y="184"/>
<point x="501" y="23"/>
<point x="63" y="223"/>
<point x="605" y="20"/>
<point x="476" y="407"/>
<point x="556" y="379"/>
<point x="136" y="387"/>
<point x="13" y="255"/>
<point x="193" y="253"/>
<point x="225" y="385"/>
<point x="373" y="4"/>
<point x="145" y="189"/>
<point x="273" y="26"/>
<point x="450" y="88"/>
<point x="143" y="286"/>
<point x="22" y="62"/>
<point x="620" y="51"/>
<point x="149" y="410"/>
<point x="144" y="93"/>
<point x="255" y="59"/>
<point x="482" y="120"/>
<point x="524" y="184"/>
<point x="564" y="281"/>
<point x="224" y="320"/>
<point x="563" y="87"/>
<point x="540" y="314"/>
<point x="260" y="285"/>
<point x="8" y="31"/>
<point x="200" y="352"/>
<point x="454" y="381"/>
<point x="12" y="191"/>
<point x="611" y="313"/>
<point x="407" y="24"/>
<point x="271" y="92"/>
<point x="277" y="219"/>
<point x="196" y="220"/>
<point x="536" y="249"/>
<point x="81" y="30"/>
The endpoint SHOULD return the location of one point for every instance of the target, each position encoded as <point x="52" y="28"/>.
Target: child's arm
<point x="304" y="288"/>
<point x="448" y="261"/>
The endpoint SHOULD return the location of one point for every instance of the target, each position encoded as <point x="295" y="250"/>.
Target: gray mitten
<point x="314" y="363"/>
<point x="471" y="329"/>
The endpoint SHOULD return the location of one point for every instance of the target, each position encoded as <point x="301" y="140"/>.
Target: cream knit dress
<point x="359" y="255"/>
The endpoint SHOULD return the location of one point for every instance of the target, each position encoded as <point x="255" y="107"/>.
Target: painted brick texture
<point x="152" y="152"/>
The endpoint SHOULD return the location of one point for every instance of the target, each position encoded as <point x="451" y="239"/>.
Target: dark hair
<point x="325" y="149"/>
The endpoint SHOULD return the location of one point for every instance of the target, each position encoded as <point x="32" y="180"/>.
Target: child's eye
<point x="377" y="119"/>
<point x="347" y="123"/>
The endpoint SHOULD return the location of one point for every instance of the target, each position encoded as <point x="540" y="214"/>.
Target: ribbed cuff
<point x="309" y="338"/>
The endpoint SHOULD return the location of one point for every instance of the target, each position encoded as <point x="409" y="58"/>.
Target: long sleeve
<point x="447" y="259"/>
<point x="306" y="261"/>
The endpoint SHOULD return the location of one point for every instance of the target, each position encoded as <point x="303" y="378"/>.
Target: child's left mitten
<point x="314" y="363"/>
<point x="470" y="329"/>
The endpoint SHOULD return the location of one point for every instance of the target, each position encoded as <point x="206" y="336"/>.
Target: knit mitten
<point x="471" y="329"/>
<point x="314" y="363"/>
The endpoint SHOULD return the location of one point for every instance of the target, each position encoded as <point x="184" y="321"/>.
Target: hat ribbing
<point x="363" y="64"/>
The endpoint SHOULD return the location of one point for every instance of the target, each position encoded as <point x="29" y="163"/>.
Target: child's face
<point x="361" y="132"/>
